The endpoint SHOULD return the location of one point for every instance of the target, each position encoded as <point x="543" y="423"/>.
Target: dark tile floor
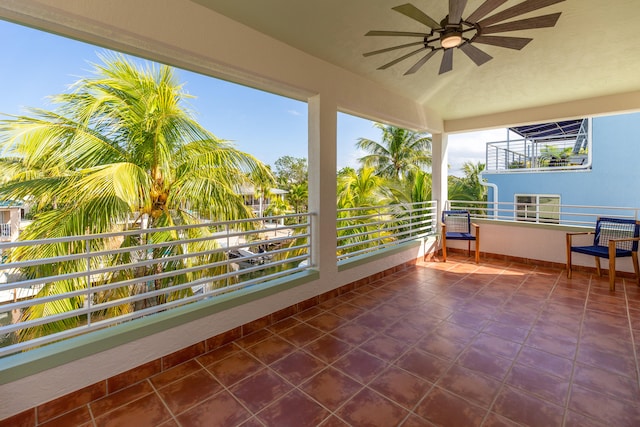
<point x="453" y="344"/>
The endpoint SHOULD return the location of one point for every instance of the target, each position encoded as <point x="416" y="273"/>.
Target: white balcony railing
<point x="537" y="232"/>
<point x="96" y="281"/>
<point x="5" y="229"/>
<point x="541" y="154"/>
<point x="367" y="229"/>
<point x="53" y="289"/>
<point x="544" y="213"/>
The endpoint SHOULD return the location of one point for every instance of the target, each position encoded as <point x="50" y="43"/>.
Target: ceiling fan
<point x="455" y="32"/>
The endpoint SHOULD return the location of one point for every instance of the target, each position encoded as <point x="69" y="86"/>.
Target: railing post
<point x="506" y="158"/>
<point x="379" y="231"/>
<point x="89" y="294"/>
<point x="228" y="255"/>
<point x="311" y="218"/>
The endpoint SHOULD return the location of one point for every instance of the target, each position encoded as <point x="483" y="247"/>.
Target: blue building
<point x="566" y="171"/>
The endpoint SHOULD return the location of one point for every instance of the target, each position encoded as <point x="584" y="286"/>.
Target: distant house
<point x="583" y="162"/>
<point x="10" y="216"/>
<point x="259" y="203"/>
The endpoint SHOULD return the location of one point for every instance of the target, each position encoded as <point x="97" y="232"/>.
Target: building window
<point x="538" y="208"/>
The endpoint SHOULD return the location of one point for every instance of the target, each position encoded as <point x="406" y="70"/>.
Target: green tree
<point x="551" y="156"/>
<point x="469" y="186"/>
<point x="407" y="201"/>
<point x="365" y="190"/>
<point x="120" y="143"/>
<point x="291" y="171"/>
<point x="298" y="197"/>
<point x="361" y="188"/>
<point x="263" y="182"/>
<point x="415" y="189"/>
<point x="399" y="153"/>
<point x="277" y="206"/>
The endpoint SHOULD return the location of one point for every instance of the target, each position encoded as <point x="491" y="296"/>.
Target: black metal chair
<point x="613" y="238"/>
<point x="456" y="225"/>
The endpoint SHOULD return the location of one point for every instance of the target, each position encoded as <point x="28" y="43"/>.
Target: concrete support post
<point x="439" y="164"/>
<point x="323" y="118"/>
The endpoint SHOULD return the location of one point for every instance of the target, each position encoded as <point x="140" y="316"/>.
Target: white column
<point x="323" y="118"/>
<point x="439" y="165"/>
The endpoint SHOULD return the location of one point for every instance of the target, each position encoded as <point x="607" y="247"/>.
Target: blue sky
<point x="35" y="65"/>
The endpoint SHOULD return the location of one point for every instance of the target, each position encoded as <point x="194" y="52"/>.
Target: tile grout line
<point x="411" y="411"/>
<point x="155" y="391"/>
<point x="633" y="343"/>
<point x="452" y="363"/>
<point x="504" y="384"/>
<point x="227" y="389"/>
<point x="298" y="387"/>
<point x="575" y="357"/>
<point x="389" y="363"/>
<point x="355" y="347"/>
<point x="93" y="418"/>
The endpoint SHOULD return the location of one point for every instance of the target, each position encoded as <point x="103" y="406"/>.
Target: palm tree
<point x="119" y="143"/>
<point x="551" y="156"/>
<point x="263" y="182"/>
<point x="407" y="199"/>
<point x="469" y="187"/>
<point x="399" y="153"/>
<point x="298" y="197"/>
<point x="362" y="190"/>
<point x="277" y="207"/>
<point x="415" y="189"/>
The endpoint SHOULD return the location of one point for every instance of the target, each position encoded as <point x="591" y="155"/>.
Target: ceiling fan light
<point x="451" y="39"/>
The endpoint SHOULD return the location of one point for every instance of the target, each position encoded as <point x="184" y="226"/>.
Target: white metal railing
<point x="367" y="229"/>
<point x="5" y="229"/>
<point x="53" y="289"/>
<point x="553" y="153"/>
<point x="544" y="213"/>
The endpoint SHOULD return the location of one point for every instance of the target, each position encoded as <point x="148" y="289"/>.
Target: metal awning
<point x="546" y="130"/>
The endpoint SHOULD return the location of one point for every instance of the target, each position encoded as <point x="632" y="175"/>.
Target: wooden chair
<point x="456" y="225"/>
<point x="613" y="238"/>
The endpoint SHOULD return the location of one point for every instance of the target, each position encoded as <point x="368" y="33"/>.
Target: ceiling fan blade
<point x="502" y="41"/>
<point x="523" y="24"/>
<point x="478" y="56"/>
<point x="420" y="63"/>
<point x="519" y="9"/>
<point x="414" y="13"/>
<point x="485" y="8"/>
<point x="456" y="7"/>
<point x="402" y="58"/>
<point x="396" y="33"/>
<point x="447" y="61"/>
<point x="389" y="49"/>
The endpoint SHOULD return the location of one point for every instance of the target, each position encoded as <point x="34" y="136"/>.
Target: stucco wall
<point x="534" y="242"/>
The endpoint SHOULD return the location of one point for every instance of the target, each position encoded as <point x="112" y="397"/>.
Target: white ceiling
<point x="592" y="51"/>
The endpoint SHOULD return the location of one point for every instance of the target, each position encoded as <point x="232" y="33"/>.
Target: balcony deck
<point x="453" y="343"/>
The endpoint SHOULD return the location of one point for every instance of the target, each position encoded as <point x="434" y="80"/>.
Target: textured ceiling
<point x="592" y="51"/>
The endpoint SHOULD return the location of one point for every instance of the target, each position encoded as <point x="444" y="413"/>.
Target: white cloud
<point x="294" y="112"/>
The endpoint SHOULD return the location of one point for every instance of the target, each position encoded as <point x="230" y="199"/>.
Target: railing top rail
<point x="133" y="232"/>
<point x="141" y="283"/>
<point x="541" y="140"/>
<point x="98" y="278"/>
<point x="482" y="202"/>
<point x="378" y="207"/>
